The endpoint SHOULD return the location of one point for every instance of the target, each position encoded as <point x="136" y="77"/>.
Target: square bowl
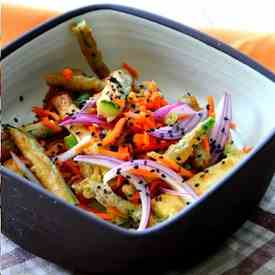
<point x="179" y="59"/>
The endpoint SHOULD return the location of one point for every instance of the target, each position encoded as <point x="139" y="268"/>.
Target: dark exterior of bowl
<point x="52" y="229"/>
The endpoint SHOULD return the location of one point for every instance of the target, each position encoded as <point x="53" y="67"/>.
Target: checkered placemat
<point x="251" y="250"/>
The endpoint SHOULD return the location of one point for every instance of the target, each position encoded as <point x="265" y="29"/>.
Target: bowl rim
<point x="211" y="42"/>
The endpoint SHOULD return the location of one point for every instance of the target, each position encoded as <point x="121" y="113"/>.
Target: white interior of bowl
<point x="177" y="62"/>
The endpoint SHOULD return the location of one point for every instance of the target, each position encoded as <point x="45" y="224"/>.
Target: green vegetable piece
<point x="70" y="141"/>
<point x="42" y="167"/>
<point x="118" y="86"/>
<point x="108" y="108"/>
<point x="81" y="99"/>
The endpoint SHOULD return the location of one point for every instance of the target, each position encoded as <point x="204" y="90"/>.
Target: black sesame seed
<point x="98" y="187"/>
<point x="15" y="119"/>
<point x="21" y="98"/>
<point x="197" y="185"/>
<point x="128" y="177"/>
<point x="188" y="94"/>
<point x="223" y="162"/>
<point x="207" y="106"/>
<point x="114" y="148"/>
<point x="102" y="135"/>
<point x="147" y="115"/>
<point x="105" y="191"/>
<point x="226" y="118"/>
<point x="152" y="170"/>
<point x="157" y="170"/>
<point x="188" y="202"/>
<point x="163" y="176"/>
<point x="118" y="171"/>
<point x="198" y="138"/>
<point x="162" y="135"/>
<point x="145" y="162"/>
<point x="202" y="175"/>
<point x="99" y="144"/>
<point x="77" y="133"/>
<point x="200" y="114"/>
<point x="147" y="194"/>
<point x="223" y="130"/>
<point x="136" y="166"/>
<point x="160" y="157"/>
<point x="140" y="182"/>
<point x="93" y="134"/>
<point x="93" y="54"/>
<point x="206" y="171"/>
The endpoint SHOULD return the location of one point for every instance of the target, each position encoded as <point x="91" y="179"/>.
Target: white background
<point x="252" y="15"/>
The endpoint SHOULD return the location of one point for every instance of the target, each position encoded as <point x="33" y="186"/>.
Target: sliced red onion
<point x="22" y="166"/>
<point x="172" y="178"/>
<point x="139" y="184"/>
<point x="173" y="192"/>
<point x="97" y="159"/>
<point x="183" y="108"/>
<point x="91" y="102"/>
<point x="81" y="118"/>
<point x="179" y="129"/>
<point x="220" y="133"/>
<point x="163" y="111"/>
<point x="74" y="150"/>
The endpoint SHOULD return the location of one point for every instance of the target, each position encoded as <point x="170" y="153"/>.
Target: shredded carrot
<point x="51" y="124"/>
<point x="41" y="112"/>
<point x="131" y="70"/>
<point x="117" y="183"/>
<point x="205" y="144"/>
<point x="114" y="134"/>
<point x="123" y="153"/>
<point x="142" y="172"/>
<point x="170" y="164"/>
<point x="119" y="102"/>
<point x="232" y="125"/>
<point x="135" y="198"/>
<point x="94" y="130"/>
<point x="67" y="73"/>
<point x="115" y="213"/>
<point x="71" y="166"/>
<point x="211" y="106"/>
<point x="103" y="215"/>
<point x="246" y="149"/>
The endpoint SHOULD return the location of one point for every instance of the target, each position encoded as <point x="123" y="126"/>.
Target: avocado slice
<point x="181" y="151"/>
<point x="167" y="205"/>
<point x="118" y="86"/>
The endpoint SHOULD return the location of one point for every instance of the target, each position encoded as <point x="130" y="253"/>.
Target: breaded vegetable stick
<point x="89" y="49"/>
<point x="65" y="106"/>
<point x="77" y="82"/>
<point x="42" y="167"/>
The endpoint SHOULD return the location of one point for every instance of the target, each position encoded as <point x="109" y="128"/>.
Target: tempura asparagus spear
<point x="42" y="167"/>
<point x="65" y="106"/>
<point x="77" y="82"/>
<point x="89" y="49"/>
